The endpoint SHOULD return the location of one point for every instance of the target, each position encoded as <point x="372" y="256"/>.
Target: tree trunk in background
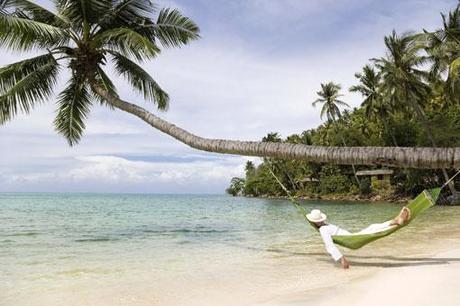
<point x="428" y="158"/>
<point x="387" y="127"/>
<point x="352" y="165"/>
<point x="426" y="126"/>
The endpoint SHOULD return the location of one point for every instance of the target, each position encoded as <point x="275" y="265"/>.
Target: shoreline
<point x="340" y="197"/>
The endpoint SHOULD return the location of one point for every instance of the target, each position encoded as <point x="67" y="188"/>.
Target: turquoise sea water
<point x="95" y="249"/>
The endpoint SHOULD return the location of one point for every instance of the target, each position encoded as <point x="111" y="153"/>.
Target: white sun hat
<point x="316" y="216"/>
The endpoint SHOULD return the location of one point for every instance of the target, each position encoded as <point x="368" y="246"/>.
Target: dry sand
<point x="418" y="281"/>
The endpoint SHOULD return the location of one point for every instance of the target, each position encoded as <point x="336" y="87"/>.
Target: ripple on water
<point x="96" y="239"/>
<point x="22" y="234"/>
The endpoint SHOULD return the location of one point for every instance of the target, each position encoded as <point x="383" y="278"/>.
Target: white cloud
<point x="112" y="173"/>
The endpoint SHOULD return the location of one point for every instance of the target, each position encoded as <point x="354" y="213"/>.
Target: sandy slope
<point x="425" y="281"/>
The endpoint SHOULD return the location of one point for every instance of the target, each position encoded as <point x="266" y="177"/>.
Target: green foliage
<point x="333" y="181"/>
<point x="262" y="183"/>
<point x="249" y="169"/>
<point x="236" y="186"/>
<point x="127" y="42"/>
<point x="141" y="81"/>
<point x="365" y="186"/>
<point x="83" y="37"/>
<point x="25" y="84"/>
<point x="73" y="108"/>
<point x="173" y="29"/>
<point x="329" y="97"/>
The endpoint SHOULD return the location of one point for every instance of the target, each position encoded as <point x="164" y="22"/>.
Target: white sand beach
<point x="432" y="282"/>
<point x="417" y="281"/>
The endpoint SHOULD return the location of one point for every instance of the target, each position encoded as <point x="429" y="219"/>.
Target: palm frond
<point x="127" y="42"/>
<point x="324" y="111"/>
<point x="317" y="101"/>
<point x="13" y="73"/>
<point x="342" y="103"/>
<point x="25" y="34"/>
<point x="359" y="88"/>
<point x="141" y="81"/>
<point x="33" y="88"/>
<point x="125" y="12"/>
<point x="38" y="13"/>
<point x="173" y="29"/>
<point x="74" y="104"/>
<point x="83" y="13"/>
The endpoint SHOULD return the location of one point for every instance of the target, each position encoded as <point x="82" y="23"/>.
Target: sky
<point x="256" y="69"/>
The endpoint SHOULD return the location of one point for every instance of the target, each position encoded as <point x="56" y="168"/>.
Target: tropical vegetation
<point x="410" y="98"/>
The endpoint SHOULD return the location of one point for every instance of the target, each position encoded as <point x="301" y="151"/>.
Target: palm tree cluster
<point x="410" y="98"/>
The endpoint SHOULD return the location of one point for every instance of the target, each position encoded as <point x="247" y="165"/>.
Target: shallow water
<point x="74" y="249"/>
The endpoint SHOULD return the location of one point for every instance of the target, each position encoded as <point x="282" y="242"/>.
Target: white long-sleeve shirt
<point x="327" y="231"/>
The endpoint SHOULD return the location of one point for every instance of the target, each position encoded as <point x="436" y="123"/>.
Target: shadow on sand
<point x="362" y="260"/>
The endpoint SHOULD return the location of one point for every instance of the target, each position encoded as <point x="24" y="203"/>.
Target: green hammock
<point x="423" y="201"/>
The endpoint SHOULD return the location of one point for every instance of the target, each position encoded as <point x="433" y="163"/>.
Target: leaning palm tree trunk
<point x="429" y="158"/>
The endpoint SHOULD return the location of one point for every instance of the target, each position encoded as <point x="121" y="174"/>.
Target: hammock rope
<point x="288" y="193"/>
<point x="450" y="180"/>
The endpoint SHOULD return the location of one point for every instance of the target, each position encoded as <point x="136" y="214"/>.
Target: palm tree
<point x="442" y="47"/>
<point x="403" y="81"/>
<point x="84" y="36"/>
<point x="374" y="104"/>
<point x="329" y="97"/>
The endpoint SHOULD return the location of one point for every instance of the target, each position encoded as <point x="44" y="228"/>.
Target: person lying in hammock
<point x="328" y="230"/>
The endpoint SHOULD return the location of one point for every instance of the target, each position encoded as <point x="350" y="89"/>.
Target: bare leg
<point x="402" y="218"/>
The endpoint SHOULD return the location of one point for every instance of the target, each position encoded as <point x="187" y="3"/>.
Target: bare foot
<point x="403" y="216"/>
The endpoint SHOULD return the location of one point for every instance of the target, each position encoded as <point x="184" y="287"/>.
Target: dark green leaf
<point x="24" y="34"/>
<point x="74" y="105"/>
<point x="28" y="91"/>
<point x="173" y="29"/>
<point x="141" y="81"/>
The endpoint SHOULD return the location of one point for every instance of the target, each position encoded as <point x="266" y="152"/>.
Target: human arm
<point x="344" y="262"/>
<point x="331" y="248"/>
